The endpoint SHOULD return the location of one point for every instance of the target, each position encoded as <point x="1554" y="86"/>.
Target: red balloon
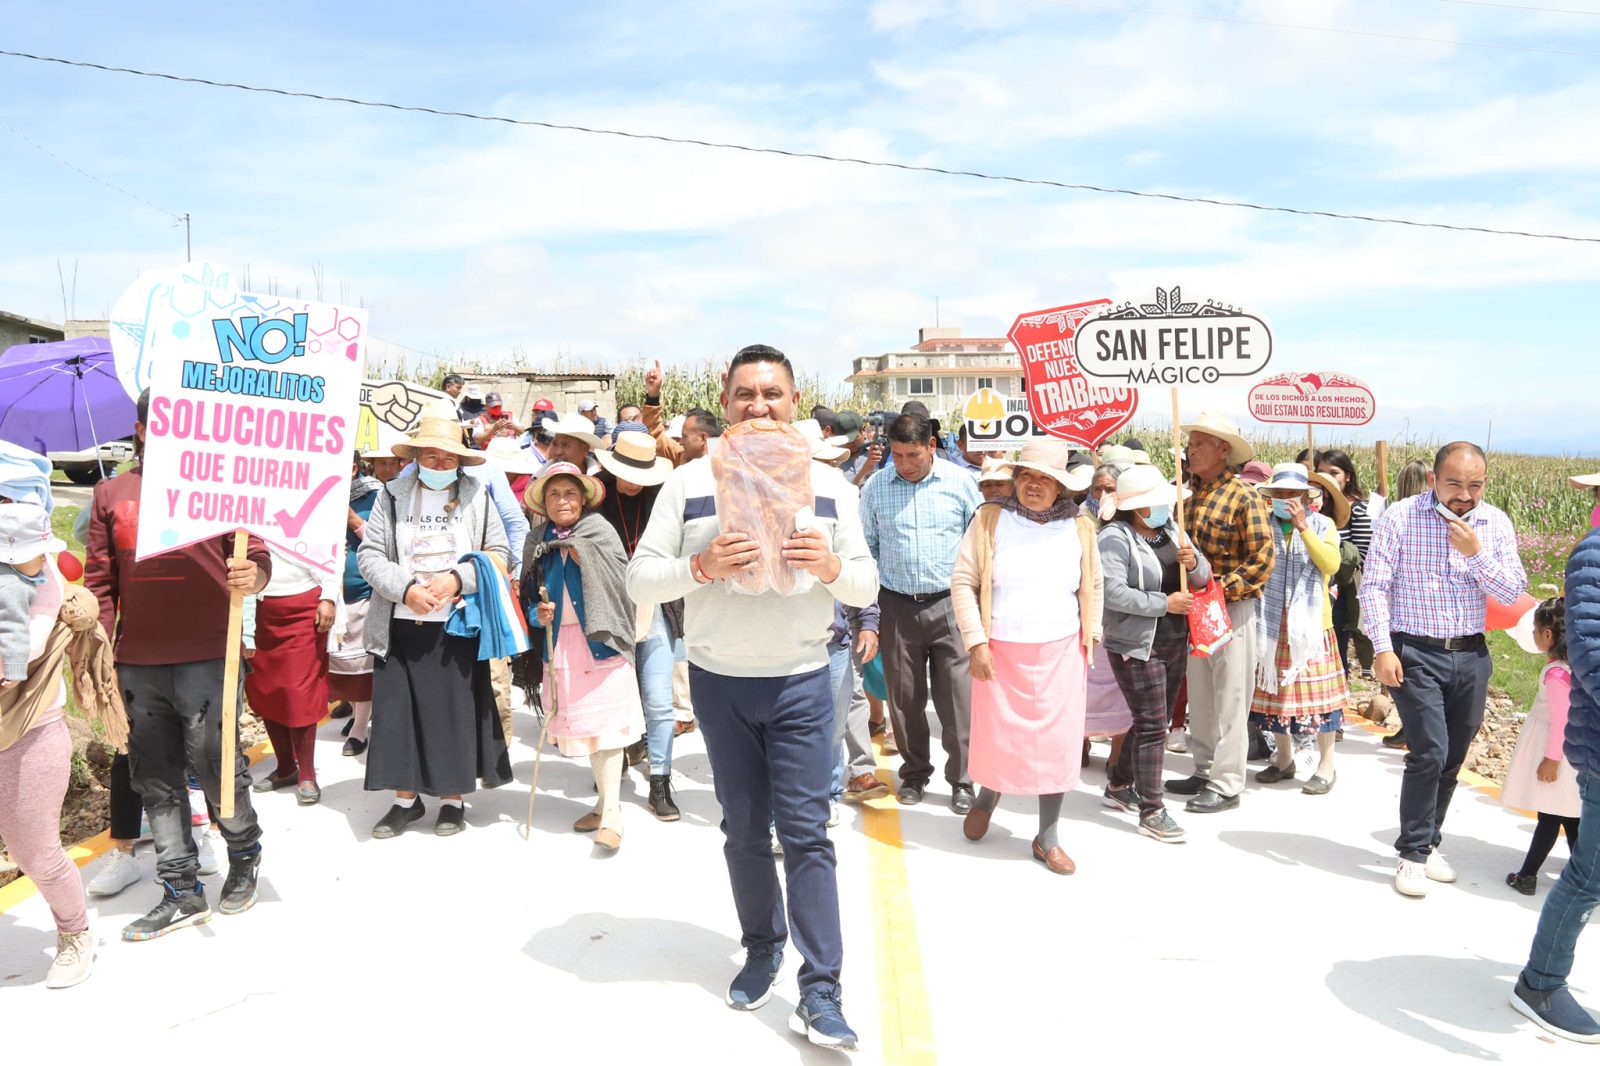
<point x="68" y="564"/>
<point x="1502" y="617"/>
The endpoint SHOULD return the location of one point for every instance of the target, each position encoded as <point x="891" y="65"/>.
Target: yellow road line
<point x="902" y="990"/>
<point x="86" y="851"/>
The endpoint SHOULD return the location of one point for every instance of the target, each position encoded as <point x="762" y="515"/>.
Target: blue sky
<point x="479" y="239"/>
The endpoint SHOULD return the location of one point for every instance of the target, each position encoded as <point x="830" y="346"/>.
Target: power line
<point x="818" y="156"/>
<point x="1235" y="20"/>
<point x="114" y="188"/>
<point x="1520" y="7"/>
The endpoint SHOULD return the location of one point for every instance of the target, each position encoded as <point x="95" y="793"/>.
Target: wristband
<point x="652" y="401"/>
<point x="697" y="571"/>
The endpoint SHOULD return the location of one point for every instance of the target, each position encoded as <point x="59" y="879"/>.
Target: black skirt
<point x="435" y="729"/>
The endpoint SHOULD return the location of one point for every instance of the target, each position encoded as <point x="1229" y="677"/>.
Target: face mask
<point x="1092" y="503"/>
<point x="1280" y="510"/>
<point x="437" y="479"/>
<point x="1159" y="516"/>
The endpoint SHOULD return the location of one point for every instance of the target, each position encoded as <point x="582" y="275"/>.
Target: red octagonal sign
<point x="1063" y="402"/>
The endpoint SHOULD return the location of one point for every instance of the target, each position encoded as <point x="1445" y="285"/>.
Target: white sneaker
<point x="1178" y="742"/>
<point x="833" y="814"/>
<point x="121" y="869"/>
<point x="199" y="814"/>
<point x="1410" y="879"/>
<point x="74" y="959"/>
<point x="208" y="855"/>
<point x="1439" y="870"/>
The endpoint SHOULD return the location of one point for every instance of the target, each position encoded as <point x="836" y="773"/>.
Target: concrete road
<point x="1274" y="933"/>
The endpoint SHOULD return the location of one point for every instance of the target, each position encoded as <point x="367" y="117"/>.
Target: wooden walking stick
<point x="544" y="722"/>
<point x="228" y="779"/>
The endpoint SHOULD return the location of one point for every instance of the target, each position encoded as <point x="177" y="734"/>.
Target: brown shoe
<point x="588" y="823"/>
<point x="976" y="824"/>
<point x="1055" y="860"/>
<point x="608" y="839"/>
<point x="865" y="787"/>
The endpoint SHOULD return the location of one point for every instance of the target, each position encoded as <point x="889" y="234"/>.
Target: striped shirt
<point x="914" y="529"/>
<point x="1358" y="530"/>
<point x="1415" y="582"/>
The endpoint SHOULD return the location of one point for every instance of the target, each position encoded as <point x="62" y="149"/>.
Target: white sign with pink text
<point x="253" y="417"/>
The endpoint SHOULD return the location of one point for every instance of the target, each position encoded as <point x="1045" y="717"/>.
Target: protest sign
<point x="390" y="410"/>
<point x="193" y="293"/>
<point x="1063" y="402"/>
<point x="252" y="422"/>
<point x="1169" y="343"/>
<point x="1323" y="399"/>
<point x="998" y="423"/>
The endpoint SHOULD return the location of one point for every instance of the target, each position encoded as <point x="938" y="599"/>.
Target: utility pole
<point x="188" y="249"/>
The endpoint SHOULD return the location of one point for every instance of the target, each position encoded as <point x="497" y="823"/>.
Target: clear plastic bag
<point x="763" y="474"/>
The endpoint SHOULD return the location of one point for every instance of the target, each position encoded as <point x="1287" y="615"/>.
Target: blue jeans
<point x="842" y="679"/>
<point x="653" y="661"/>
<point x="772" y="757"/>
<point x="1567" y="908"/>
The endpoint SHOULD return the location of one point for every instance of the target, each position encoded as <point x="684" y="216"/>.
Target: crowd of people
<point x="595" y="574"/>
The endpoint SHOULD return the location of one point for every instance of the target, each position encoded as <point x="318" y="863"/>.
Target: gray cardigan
<point x="377" y="558"/>
<point x="1134" y="602"/>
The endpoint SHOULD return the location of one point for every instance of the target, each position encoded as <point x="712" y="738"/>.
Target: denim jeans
<point x="653" y="661"/>
<point x="771" y="761"/>
<point x="174" y="722"/>
<point x="1567" y="908"/>
<point x="1441" y="708"/>
<point x="842" y="680"/>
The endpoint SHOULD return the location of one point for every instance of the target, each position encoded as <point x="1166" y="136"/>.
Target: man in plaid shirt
<point x="1228" y="522"/>
<point x="1435" y="560"/>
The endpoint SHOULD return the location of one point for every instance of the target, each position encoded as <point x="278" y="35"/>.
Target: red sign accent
<point x="1312" y="398"/>
<point x="1064" y="402"/>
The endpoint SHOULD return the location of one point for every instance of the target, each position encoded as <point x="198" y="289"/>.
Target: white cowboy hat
<point x="511" y="459"/>
<point x="1287" y="476"/>
<point x="1050" y="457"/>
<point x="1146" y="486"/>
<point x="994" y="469"/>
<point x="1217" y="426"/>
<point x="441" y="433"/>
<point x="1116" y="454"/>
<point x="1584" y="481"/>
<point x="632" y="458"/>
<point x="575" y="425"/>
<point x="533" y="495"/>
<point x="821" y="449"/>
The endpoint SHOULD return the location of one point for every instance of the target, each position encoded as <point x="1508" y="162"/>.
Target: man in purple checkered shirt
<point x="1435" y="560"/>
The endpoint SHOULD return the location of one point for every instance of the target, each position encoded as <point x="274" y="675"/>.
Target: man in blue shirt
<point x="914" y="514"/>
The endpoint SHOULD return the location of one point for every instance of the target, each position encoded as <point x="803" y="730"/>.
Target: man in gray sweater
<point x="758" y="672"/>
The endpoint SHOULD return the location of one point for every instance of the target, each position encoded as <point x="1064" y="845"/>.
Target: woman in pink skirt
<point x="575" y="557"/>
<point x="1027" y="596"/>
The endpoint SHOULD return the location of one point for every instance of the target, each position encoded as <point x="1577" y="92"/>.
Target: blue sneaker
<point x="820" y="1019"/>
<point x="752" y="986"/>
<point x="1556" y="1012"/>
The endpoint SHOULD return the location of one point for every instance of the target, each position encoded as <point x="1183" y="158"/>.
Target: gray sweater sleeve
<point x="388" y="579"/>
<point x="1117" y="565"/>
<point x="16" y="598"/>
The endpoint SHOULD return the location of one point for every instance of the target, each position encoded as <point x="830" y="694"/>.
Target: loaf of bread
<point x="763" y="474"/>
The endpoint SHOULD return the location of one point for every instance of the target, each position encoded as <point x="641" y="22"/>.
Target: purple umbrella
<point x="62" y="397"/>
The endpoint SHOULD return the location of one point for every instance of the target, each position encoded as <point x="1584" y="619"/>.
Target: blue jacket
<point x="1583" y="654"/>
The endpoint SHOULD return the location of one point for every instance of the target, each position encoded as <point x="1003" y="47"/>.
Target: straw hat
<point x="441" y="433"/>
<point x="994" y="469"/>
<point x="1116" y="455"/>
<point x="1335" y="504"/>
<point x="1217" y="426"/>
<point x="533" y="495"/>
<point x="1584" y="481"/>
<point x="510" y="458"/>
<point x="1050" y="457"/>
<point x="633" y="459"/>
<point x="575" y="425"/>
<point x="1146" y="486"/>
<point x="1287" y="476"/>
<point x="821" y="450"/>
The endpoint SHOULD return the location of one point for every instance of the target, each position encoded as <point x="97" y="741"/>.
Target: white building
<point x="942" y="369"/>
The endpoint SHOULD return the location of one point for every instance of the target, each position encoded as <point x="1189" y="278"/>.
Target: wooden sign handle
<point x="230" y="687"/>
<point x="1177" y="482"/>
<point x="1382" y="458"/>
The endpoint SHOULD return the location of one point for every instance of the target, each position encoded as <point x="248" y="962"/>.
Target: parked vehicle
<point x="85" y="467"/>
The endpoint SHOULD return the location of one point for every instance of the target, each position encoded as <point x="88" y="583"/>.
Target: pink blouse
<point x="1557" y="695"/>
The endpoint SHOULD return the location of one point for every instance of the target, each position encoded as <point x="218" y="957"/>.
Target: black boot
<point x="661" y="798"/>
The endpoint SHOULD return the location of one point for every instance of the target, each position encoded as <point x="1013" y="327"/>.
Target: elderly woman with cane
<point x="1300" y="687"/>
<point x="1027" y="596"/>
<point x="576" y="560"/>
<point x="435" y="728"/>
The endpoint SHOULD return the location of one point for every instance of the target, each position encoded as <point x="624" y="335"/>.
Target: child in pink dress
<point x="1539" y="777"/>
